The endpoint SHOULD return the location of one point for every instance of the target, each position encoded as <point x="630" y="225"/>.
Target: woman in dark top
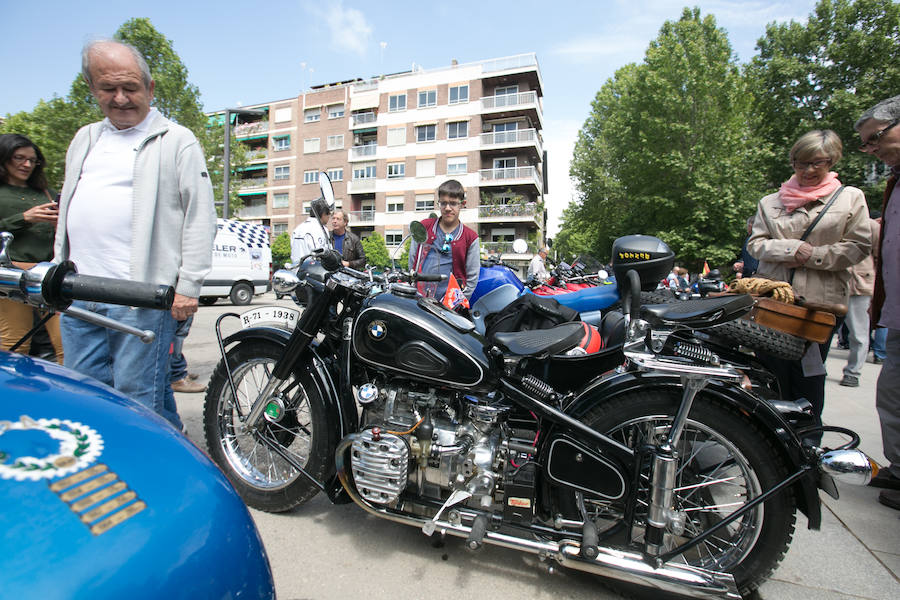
<point x="28" y="212"/>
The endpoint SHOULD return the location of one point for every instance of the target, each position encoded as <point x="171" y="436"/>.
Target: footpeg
<point x="476" y="536"/>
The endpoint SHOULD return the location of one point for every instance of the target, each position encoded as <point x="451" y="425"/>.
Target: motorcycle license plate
<point x="277" y="316"/>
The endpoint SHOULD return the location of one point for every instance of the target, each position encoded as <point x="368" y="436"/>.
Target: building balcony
<point x="361" y="186"/>
<point x="511" y="176"/>
<point x="254" y="182"/>
<point x="512" y="139"/>
<point x="366" y="152"/>
<point x="507" y="248"/>
<point x="362" y="217"/>
<point x="499" y="213"/>
<point x="258" y="154"/>
<point x="248" y="129"/>
<point x="363" y="118"/>
<point x="509" y="105"/>
<point x="253" y="211"/>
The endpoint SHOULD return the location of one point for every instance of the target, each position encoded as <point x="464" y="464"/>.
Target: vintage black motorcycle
<point x="646" y="462"/>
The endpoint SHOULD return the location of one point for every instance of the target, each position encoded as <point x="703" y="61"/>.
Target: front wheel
<point x="723" y="462"/>
<point x="296" y="423"/>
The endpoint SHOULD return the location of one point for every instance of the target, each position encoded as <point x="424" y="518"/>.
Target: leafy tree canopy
<point x="281" y="250"/>
<point x="376" y="251"/>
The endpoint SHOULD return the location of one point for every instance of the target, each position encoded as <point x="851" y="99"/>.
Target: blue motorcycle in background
<point x="101" y="497"/>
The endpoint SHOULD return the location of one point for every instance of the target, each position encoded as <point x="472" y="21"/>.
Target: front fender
<point x="763" y="415"/>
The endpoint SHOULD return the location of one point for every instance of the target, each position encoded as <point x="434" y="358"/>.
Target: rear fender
<point x="764" y="416"/>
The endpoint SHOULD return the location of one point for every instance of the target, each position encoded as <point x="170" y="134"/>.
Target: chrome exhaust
<point x="616" y="564"/>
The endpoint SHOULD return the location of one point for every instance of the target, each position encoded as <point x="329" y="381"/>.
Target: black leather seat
<point x="541" y="342"/>
<point x="697" y="314"/>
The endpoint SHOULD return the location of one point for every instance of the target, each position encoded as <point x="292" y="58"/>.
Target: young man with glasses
<point x="451" y="247"/>
<point x="880" y="137"/>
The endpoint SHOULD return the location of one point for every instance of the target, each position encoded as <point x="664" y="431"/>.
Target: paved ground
<point x="326" y="552"/>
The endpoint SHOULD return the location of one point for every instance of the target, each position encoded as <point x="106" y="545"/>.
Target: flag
<point x="705" y="268"/>
<point x="454" y="295"/>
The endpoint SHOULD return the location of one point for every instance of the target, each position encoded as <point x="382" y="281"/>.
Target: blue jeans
<point x="879" y="339"/>
<point x="177" y="362"/>
<point x="120" y="360"/>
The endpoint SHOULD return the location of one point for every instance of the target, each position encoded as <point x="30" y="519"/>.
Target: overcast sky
<point x="245" y="53"/>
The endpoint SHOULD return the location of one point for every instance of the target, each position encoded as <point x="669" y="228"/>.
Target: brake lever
<point x="145" y="335"/>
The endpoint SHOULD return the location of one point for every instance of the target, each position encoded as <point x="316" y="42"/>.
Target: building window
<point x="426" y="133"/>
<point x="335" y="142"/>
<point x="397" y="103"/>
<point x="424" y="202"/>
<point x="364" y="171"/>
<point x="506" y="90"/>
<point x="425" y="167"/>
<point x="508" y="165"/>
<point x="310" y="176"/>
<point x="283" y="172"/>
<point x="282" y="114"/>
<point x="396" y="136"/>
<point x="279" y="228"/>
<point x="427" y="99"/>
<point x="395" y="206"/>
<point x="310" y="145"/>
<point x="393" y="238"/>
<point x="281" y="201"/>
<point x="459" y="94"/>
<point x="335" y="111"/>
<point x="396" y="170"/>
<point x="457" y="165"/>
<point x="503" y="235"/>
<point x="311" y="115"/>
<point x="336" y="174"/>
<point x="457" y="130"/>
<point x="282" y="143"/>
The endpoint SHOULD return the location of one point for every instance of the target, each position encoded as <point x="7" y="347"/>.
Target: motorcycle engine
<point x="431" y="442"/>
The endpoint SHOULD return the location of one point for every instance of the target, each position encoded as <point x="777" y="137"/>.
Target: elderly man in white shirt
<point x="136" y="204"/>
<point x="537" y="268"/>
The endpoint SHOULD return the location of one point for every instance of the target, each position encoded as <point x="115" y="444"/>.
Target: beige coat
<point x="862" y="275"/>
<point x="840" y="239"/>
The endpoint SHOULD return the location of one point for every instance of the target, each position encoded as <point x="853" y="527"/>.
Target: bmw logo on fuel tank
<point x="377" y="330"/>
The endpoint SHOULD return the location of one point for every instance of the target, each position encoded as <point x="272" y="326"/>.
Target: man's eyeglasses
<point x="802" y="165"/>
<point x="21" y="160"/>
<point x="875" y="138"/>
<point x="446" y="203"/>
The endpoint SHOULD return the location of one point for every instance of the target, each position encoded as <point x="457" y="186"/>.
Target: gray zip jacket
<point x="173" y="220"/>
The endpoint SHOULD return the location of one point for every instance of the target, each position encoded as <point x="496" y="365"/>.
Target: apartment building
<point x="388" y="142"/>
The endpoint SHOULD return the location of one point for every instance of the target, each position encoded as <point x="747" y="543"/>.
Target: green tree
<point x="823" y="74"/>
<point x="281" y="250"/>
<point x="376" y="251"/>
<point x="667" y="151"/>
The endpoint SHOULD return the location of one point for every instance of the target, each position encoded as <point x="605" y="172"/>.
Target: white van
<point x="241" y="263"/>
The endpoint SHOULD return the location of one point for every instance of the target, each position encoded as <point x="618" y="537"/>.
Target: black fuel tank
<point x="402" y="335"/>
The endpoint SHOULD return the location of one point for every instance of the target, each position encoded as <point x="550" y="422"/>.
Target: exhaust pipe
<point x="629" y="567"/>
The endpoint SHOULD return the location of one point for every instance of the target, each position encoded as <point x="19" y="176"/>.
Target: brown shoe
<point x="187" y="386"/>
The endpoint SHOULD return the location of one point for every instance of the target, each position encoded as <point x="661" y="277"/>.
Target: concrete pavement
<point x="323" y="552"/>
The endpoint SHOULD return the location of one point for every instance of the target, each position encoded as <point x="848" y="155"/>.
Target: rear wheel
<point x="263" y="478"/>
<point x="758" y="337"/>
<point x="723" y="462"/>
<point x="241" y="294"/>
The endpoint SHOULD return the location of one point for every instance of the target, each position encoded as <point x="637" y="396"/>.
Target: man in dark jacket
<point x="346" y="242"/>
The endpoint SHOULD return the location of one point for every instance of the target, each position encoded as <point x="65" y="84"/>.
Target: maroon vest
<point x="458" y="249"/>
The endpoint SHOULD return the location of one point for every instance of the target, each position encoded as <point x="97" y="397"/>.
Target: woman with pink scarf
<point x="819" y="266"/>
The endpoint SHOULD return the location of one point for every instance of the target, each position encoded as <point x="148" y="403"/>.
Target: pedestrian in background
<point x="880" y="136"/>
<point x="814" y="256"/>
<point x="862" y="284"/>
<point x="537" y="268"/>
<point x="346" y="242"/>
<point x="29" y="212"/>
<point x="136" y="204"/>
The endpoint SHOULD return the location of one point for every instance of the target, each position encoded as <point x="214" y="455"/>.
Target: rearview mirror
<point x="417" y="230"/>
<point x="327" y="190"/>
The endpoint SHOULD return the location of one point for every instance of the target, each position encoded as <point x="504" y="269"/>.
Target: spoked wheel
<point x="294" y="422"/>
<point x="723" y="462"/>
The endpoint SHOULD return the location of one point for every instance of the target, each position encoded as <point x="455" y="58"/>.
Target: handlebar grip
<point x="430" y="277"/>
<point x="116" y="291"/>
